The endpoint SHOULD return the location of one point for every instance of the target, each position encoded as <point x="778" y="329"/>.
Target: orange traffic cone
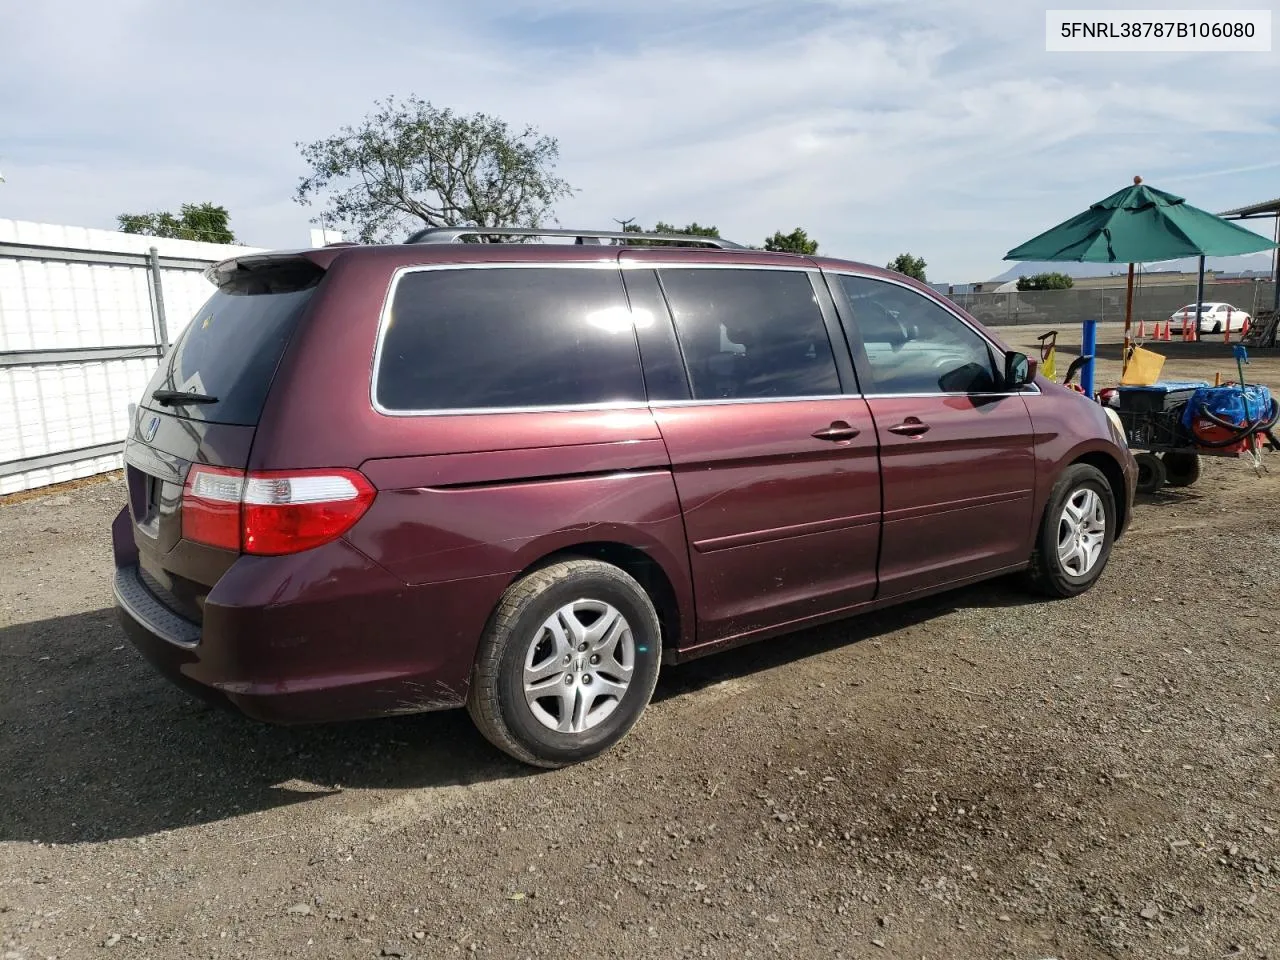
<point x="1244" y="330"/>
<point x="1142" y="328"/>
<point x="1168" y="330"/>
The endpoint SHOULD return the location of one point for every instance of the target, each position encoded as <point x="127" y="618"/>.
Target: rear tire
<point x="1151" y="472"/>
<point x="567" y="663"/>
<point x="1181" y="469"/>
<point x="1076" y="534"/>
<point x="1217" y="326"/>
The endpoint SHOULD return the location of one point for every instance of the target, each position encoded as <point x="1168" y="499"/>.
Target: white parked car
<point x="1214" y="317"/>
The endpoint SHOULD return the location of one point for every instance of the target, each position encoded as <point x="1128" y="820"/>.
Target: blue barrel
<point x="1088" y="348"/>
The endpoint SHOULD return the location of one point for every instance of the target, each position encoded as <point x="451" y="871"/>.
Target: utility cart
<point x="1171" y="425"/>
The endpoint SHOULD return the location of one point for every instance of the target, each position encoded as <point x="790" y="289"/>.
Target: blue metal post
<point x="1088" y="348"/>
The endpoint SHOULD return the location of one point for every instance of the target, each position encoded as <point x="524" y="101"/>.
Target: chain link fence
<point x="1150" y="302"/>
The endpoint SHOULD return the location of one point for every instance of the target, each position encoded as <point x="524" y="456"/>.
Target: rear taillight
<point x="288" y="512"/>
<point x="271" y="512"/>
<point x="211" y="506"/>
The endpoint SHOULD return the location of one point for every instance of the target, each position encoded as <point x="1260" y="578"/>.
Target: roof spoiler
<point x="265" y="273"/>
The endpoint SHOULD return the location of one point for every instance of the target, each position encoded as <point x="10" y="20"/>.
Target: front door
<point x="774" y="454"/>
<point x="955" y="447"/>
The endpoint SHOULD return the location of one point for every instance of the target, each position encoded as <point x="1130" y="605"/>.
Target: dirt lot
<point x="974" y="776"/>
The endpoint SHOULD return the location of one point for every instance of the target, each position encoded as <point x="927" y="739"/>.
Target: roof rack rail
<point x="455" y="235"/>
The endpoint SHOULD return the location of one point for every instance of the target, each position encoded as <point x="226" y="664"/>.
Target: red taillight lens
<point x="211" y="506"/>
<point x="285" y="512"/>
<point x="272" y="512"/>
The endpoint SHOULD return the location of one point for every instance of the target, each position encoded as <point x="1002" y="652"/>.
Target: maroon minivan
<point x="518" y="476"/>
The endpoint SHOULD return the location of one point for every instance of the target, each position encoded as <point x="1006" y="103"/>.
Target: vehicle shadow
<point x="97" y="746"/>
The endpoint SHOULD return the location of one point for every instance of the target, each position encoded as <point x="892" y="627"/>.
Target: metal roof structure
<point x="1260" y="211"/>
<point x="1268" y="208"/>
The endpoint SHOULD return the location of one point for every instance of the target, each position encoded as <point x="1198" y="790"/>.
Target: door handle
<point x="839" y="430"/>
<point x="910" y="427"/>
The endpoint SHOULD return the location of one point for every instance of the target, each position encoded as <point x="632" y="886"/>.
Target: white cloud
<point x="937" y="127"/>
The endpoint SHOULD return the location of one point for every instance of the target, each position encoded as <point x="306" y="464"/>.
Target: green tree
<point x="1045" y="281"/>
<point x="197" y="221"/>
<point x="410" y="165"/>
<point x="797" y="241"/>
<point x="694" y="229"/>
<point x="908" y="265"/>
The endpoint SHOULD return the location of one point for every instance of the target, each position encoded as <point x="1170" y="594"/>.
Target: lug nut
<point x="595" y="658"/>
<point x="568" y="681"/>
<point x="582" y="646"/>
<point x="586" y="679"/>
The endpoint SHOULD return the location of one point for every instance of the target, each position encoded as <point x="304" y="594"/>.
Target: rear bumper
<point x="322" y="636"/>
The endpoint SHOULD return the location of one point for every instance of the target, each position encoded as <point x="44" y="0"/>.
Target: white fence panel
<point x="68" y="294"/>
<point x="184" y="293"/>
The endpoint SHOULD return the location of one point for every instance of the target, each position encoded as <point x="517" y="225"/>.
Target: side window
<point x="529" y="337"/>
<point x="913" y="345"/>
<point x="749" y="334"/>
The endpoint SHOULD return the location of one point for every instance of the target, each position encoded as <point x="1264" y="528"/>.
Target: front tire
<point x="567" y="663"/>
<point x="1076" y="534"/>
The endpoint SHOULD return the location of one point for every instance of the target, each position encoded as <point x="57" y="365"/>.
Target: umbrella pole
<point x="1199" y="296"/>
<point x="1275" y="292"/>
<point x="1128" y="319"/>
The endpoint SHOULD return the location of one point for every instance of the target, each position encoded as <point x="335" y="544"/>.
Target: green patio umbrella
<point x="1138" y="224"/>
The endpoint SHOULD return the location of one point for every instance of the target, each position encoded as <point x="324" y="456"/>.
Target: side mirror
<point x="1017" y="370"/>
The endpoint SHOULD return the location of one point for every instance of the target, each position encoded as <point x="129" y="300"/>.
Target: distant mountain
<point x="1252" y="261"/>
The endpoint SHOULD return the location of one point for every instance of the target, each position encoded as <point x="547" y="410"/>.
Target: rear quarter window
<point x="473" y="339"/>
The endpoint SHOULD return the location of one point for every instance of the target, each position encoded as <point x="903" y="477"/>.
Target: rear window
<point x="466" y="339"/>
<point x="232" y="346"/>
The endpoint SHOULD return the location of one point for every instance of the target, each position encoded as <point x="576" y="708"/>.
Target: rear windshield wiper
<point x="177" y="397"/>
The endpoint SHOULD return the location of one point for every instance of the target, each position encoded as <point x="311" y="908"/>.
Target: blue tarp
<point x="1238" y="405"/>
<point x="1168" y="386"/>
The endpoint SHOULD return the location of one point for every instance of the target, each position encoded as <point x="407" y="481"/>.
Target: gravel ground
<point x="978" y="775"/>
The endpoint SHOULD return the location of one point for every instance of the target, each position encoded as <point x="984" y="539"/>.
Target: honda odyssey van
<point x="521" y="476"/>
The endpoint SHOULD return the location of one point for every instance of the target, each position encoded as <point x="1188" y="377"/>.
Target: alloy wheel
<point x="1082" y="531"/>
<point x="578" y="666"/>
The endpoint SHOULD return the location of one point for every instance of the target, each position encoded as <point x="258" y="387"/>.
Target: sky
<point x="939" y="128"/>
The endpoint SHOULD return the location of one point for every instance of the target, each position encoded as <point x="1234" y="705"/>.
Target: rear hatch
<point x="202" y="406"/>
